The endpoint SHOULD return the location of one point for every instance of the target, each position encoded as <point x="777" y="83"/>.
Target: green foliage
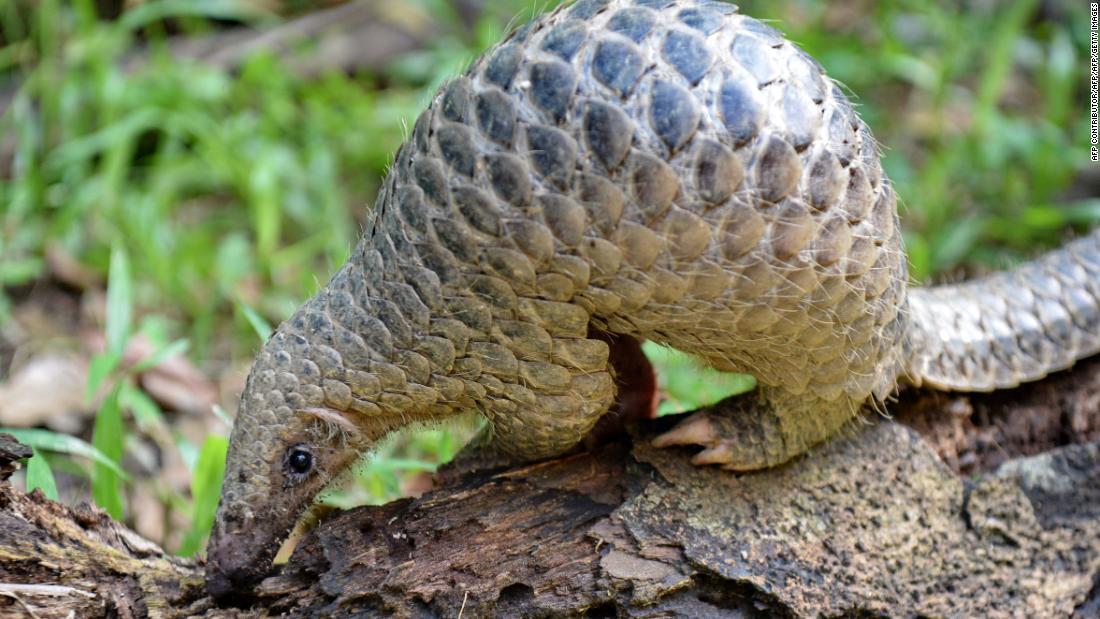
<point x="108" y="435"/>
<point x="688" y="384"/>
<point x="40" y="476"/>
<point x="206" y="486"/>
<point x="216" y="185"/>
<point x="259" y="325"/>
<point x="378" y="479"/>
<point x="46" y="440"/>
<point x="108" y="438"/>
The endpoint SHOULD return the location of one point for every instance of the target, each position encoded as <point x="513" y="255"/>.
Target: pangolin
<point x="665" y="170"/>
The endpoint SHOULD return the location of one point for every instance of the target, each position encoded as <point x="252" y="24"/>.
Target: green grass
<point x="216" y="201"/>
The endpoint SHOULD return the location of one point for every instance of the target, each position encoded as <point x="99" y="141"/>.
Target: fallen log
<point x="875" y="523"/>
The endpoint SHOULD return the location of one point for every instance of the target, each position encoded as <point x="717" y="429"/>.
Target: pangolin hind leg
<point x="761" y="429"/>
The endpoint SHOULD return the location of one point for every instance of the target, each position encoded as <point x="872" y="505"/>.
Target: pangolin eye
<point x="299" y="461"/>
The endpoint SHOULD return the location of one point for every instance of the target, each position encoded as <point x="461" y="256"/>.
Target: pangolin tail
<point x="1010" y="327"/>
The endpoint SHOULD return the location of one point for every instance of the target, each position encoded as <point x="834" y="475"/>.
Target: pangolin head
<point x="288" y="443"/>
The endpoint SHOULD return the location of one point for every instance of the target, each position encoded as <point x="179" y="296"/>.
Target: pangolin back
<point x="672" y="171"/>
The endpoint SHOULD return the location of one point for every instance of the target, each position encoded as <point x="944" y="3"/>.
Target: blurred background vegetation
<point x="178" y="175"/>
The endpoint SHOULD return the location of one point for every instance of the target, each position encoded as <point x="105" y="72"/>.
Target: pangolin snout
<point x="238" y="556"/>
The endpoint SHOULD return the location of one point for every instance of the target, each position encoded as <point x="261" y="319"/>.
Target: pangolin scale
<point x="666" y="170"/>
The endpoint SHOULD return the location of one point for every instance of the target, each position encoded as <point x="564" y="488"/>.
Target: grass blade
<point x="101" y="367"/>
<point x="47" y="440"/>
<point x="259" y="325"/>
<point x="178" y="347"/>
<point x="206" y="486"/>
<point x="119" y="301"/>
<point x="146" y="13"/>
<point x="40" y="476"/>
<point x="107" y="438"/>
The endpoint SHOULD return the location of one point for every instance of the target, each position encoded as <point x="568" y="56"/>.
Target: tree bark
<point x="876" y="523"/>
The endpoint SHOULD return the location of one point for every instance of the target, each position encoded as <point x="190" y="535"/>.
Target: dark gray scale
<point x="827" y="180"/>
<point x="509" y="177"/>
<point x="456" y="238"/>
<point x="565" y="218"/>
<point x="802" y="117"/>
<point x="770" y="36"/>
<point x="718" y="173"/>
<point x="421" y="134"/>
<point x="408" y="302"/>
<point x="805" y="73"/>
<point x="842" y="135"/>
<point x="341" y="285"/>
<point x="410" y="204"/>
<point x="702" y="19"/>
<point x="725" y="8"/>
<point x="740" y="110"/>
<point x="496" y="116"/>
<point x="673" y="113"/>
<point x="357" y="351"/>
<point x="399" y="236"/>
<point x="429" y="176"/>
<point x="317" y="322"/>
<point x="777" y="169"/>
<point x="688" y="53"/>
<point x="653" y="185"/>
<point x="496" y="292"/>
<point x="608" y="132"/>
<point x="478" y="209"/>
<point x="502" y="66"/>
<point x="602" y="199"/>
<point x="370" y="266"/>
<point x="632" y="22"/>
<point x="390" y="315"/>
<point x="859" y="196"/>
<point x="438" y="258"/>
<point x="402" y="160"/>
<point x="457" y="99"/>
<point x="425" y="283"/>
<point x="553" y="153"/>
<point x="388" y="218"/>
<point x="521" y="34"/>
<point x="298" y="346"/>
<point x="587" y="9"/>
<point x="456" y="143"/>
<point x="389" y="268"/>
<point x="617" y="64"/>
<point x="755" y="57"/>
<point x="565" y="39"/>
<point x="472" y="312"/>
<point x="552" y="86"/>
<point x="351" y="313"/>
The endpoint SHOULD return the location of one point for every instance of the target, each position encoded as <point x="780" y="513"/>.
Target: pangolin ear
<point x="333" y="423"/>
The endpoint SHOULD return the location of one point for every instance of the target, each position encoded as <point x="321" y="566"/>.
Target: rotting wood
<point x="874" y="523"/>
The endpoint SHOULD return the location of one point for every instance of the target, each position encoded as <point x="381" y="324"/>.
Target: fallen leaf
<point x="47" y="391"/>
